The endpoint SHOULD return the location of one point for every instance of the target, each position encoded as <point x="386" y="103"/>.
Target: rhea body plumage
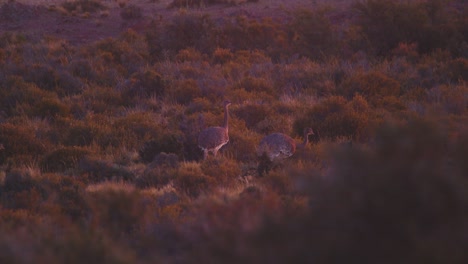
<point x="212" y="139"/>
<point x="279" y="146"/>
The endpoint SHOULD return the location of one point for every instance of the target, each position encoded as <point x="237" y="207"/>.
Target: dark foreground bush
<point x="403" y="200"/>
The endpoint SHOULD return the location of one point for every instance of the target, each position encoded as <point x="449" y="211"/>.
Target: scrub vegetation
<point x="99" y="156"/>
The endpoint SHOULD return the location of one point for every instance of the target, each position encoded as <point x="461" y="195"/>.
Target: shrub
<point x="146" y="84"/>
<point x="335" y="117"/>
<point x="253" y="114"/>
<point x="80" y="134"/>
<point x="242" y="144"/>
<point x="314" y="35"/>
<point x="117" y="211"/>
<point x="83" y="6"/>
<point x="221" y="56"/>
<point x="62" y="159"/>
<point x="95" y="170"/>
<point x="278" y="182"/>
<point x="188" y="31"/>
<point x="154" y="177"/>
<point x="222" y="171"/>
<point x="51" y="108"/>
<point x="165" y="142"/>
<point x="243" y="33"/>
<point x="17" y="180"/>
<point x="185" y="91"/>
<point x="190" y="180"/>
<point x="159" y="172"/>
<point x="428" y="23"/>
<point x="373" y="86"/>
<point x="188" y="54"/>
<point x="457" y="70"/>
<point x="21" y="144"/>
<point x="131" y="12"/>
<point x="254" y="84"/>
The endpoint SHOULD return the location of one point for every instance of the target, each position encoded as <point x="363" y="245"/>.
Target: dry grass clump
<point x="430" y="24"/>
<point x="62" y="159"/>
<point x="190" y="180"/>
<point x="83" y="6"/>
<point x="20" y="143"/>
<point x="373" y="86"/>
<point x="336" y="117"/>
<point x="131" y="12"/>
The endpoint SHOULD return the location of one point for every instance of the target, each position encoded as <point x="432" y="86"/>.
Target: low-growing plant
<point x="131" y="12"/>
<point x="83" y="6"/>
<point x="21" y="144"/>
<point x="373" y="86"/>
<point x="223" y="171"/>
<point x="165" y="142"/>
<point x="184" y="91"/>
<point x="313" y="34"/>
<point x="95" y="170"/>
<point x="190" y="180"/>
<point x="336" y="117"/>
<point x="62" y="159"/>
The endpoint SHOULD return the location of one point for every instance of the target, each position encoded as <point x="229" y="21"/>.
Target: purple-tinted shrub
<point x="313" y="34"/>
<point x="372" y="85"/>
<point x="62" y="159"/>
<point x="21" y="144"/>
<point x="335" y="117"/>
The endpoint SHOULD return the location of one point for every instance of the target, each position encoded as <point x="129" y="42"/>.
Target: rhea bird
<point x="211" y="139"/>
<point x="277" y="147"/>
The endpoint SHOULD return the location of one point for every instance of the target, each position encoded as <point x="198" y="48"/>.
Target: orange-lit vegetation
<point x="99" y="159"/>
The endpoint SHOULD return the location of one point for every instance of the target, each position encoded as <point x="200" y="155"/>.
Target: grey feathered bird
<point x="212" y="139"/>
<point x="278" y="146"/>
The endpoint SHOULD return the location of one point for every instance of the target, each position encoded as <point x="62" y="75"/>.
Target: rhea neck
<point x="306" y="140"/>
<point x="226" y="122"/>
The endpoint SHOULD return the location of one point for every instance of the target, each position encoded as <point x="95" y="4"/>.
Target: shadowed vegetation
<point x="99" y="151"/>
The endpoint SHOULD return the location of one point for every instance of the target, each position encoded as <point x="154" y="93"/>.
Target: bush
<point x="21" y="144"/>
<point x="223" y="171"/>
<point x="95" y="170"/>
<point x="188" y="31"/>
<point x="62" y="159"/>
<point x="83" y="6"/>
<point x="117" y="211"/>
<point x="159" y="172"/>
<point x="335" y="118"/>
<point x="457" y="70"/>
<point x="145" y="84"/>
<point x="165" y="142"/>
<point x="185" y="91"/>
<point x="253" y="114"/>
<point x="428" y="23"/>
<point x="131" y="12"/>
<point x="221" y="56"/>
<point x="373" y="86"/>
<point x="190" y="180"/>
<point x="314" y="35"/>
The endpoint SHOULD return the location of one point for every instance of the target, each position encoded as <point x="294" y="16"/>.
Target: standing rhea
<point x="213" y="138"/>
<point x="278" y="146"/>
